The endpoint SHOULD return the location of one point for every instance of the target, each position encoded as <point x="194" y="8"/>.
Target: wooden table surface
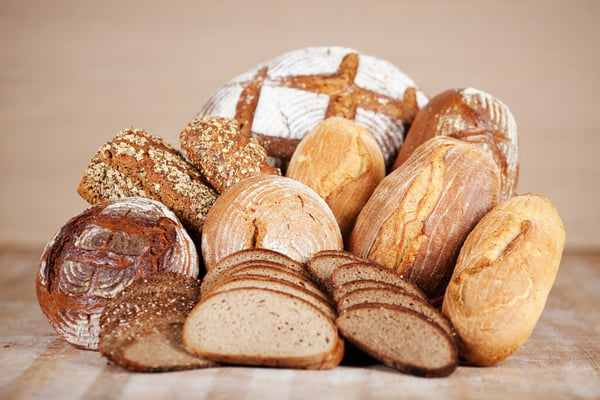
<point x="561" y="359"/>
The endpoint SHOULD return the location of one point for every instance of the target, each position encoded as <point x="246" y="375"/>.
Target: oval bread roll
<point x="502" y="278"/>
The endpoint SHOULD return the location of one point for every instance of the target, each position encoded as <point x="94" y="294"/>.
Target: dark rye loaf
<point x="322" y="265"/>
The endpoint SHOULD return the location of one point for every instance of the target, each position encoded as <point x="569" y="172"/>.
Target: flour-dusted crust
<point x="137" y="163"/>
<point x="271" y="212"/>
<point x="98" y="253"/>
<point x="281" y="100"/>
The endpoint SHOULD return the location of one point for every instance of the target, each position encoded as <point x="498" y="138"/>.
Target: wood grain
<point x="561" y="359"/>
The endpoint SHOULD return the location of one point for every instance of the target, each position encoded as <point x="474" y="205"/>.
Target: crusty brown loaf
<point x="98" y="253"/>
<point x="502" y="278"/>
<point x="136" y="163"/>
<point x="215" y="146"/>
<point x="475" y="117"/>
<point x="141" y="327"/>
<point x="279" y="101"/>
<point x="342" y="162"/>
<point x="418" y="217"/>
<point x="272" y="212"/>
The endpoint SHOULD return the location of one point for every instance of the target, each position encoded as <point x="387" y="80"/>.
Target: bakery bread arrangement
<point x="320" y="209"/>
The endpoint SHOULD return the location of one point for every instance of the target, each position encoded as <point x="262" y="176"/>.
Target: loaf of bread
<point x="98" y="253"/>
<point x="215" y="146"/>
<point x="503" y="276"/>
<point x="136" y="163"/>
<point x="342" y="162"/>
<point x="271" y="212"/>
<point x="418" y="217"/>
<point x="475" y="117"/>
<point x="281" y="100"/>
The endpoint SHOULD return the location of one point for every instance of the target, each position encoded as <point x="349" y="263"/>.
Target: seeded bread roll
<point x="215" y="146"/>
<point x="98" y="253"/>
<point x="279" y="101"/>
<point x="272" y="212"/>
<point x="136" y="163"/>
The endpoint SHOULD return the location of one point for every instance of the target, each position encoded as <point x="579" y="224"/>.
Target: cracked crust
<point x="418" y="217"/>
<point x="271" y="212"/>
<point x="503" y="276"/>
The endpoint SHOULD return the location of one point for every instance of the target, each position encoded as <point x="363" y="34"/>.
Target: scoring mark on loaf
<point x="288" y="96"/>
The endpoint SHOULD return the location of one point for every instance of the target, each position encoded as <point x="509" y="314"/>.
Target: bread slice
<point x="278" y="275"/>
<point x="360" y="284"/>
<point x="399" y="338"/>
<point x="395" y="297"/>
<point x="262" y="255"/>
<point x="262" y="327"/>
<point x="322" y="265"/>
<point x="273" y="284"/>
<point x="140" y="329"/>
<point x="371" y="271"/>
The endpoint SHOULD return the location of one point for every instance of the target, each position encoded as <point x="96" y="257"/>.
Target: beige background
<point x="74" y="73"/>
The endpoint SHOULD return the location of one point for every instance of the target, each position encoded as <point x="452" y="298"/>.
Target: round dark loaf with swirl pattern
<point x="98" y="253"/>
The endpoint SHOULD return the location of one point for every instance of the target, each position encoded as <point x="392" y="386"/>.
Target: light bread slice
<point x="322" y="265"/>
<point x="262" y="327"/>
<point x="220" y="270"/>
<point x="273" y="284"/>
<point x="276" y="274"/>
<point x="140" y="329"/>
<point x="262" y="255"/>
<point x="361" y="284"/>
<point x="400" y="338"/>
<point x="371" y="271"/>
<point x="398" y="298"/>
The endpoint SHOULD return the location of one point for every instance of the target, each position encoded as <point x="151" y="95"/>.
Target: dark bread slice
<point x="400" y="338"/>
<point x="140" y="330"/>
<point x="372" y="271"/>
<point x="277" y="274"/>
<point x="262" y="327"/>
<point x="398" y="298"/>
<point x="322" y="265"/>
<point x="273" y="284"/>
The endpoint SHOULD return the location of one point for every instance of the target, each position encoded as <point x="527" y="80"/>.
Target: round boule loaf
<point x="271" y="212"/>
<point x="281" y="100"/>
<point x="98" y="253"/>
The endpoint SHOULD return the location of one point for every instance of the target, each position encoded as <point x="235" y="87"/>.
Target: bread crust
<point x="503" y="275"/>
